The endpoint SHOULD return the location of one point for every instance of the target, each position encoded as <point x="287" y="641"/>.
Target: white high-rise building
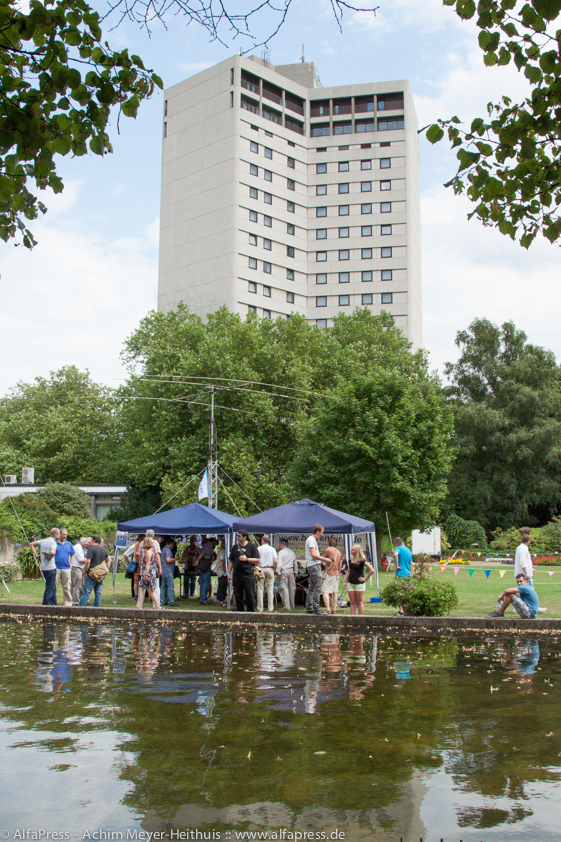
<point x="282" y="196"/>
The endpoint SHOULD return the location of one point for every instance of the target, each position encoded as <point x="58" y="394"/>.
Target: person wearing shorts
<point x="523" y="599"/>
<point x="330" y="585"/>
<point x="356" y="579"/>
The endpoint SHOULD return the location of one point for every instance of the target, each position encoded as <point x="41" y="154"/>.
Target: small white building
<point x="103" y="498"/>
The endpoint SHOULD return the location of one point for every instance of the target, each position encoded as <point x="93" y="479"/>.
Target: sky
<point x="93" y="275"/>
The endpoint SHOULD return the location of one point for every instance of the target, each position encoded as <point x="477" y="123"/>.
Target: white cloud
<point x="73" y="300"/>
<point x="429" y="17"/>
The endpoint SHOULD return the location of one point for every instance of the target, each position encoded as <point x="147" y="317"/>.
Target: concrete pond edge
<point x="343" y="623"/>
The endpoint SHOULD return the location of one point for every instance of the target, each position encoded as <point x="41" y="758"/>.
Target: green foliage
<point x="36" y="516"/>
<point x="546" y="539"/>
<point x="59" y="83"/>
<point x="66" y="500"/>
<point x="463" y="533"/>
<point x="27" y="563"/>
<point x="506" y="398"/>
<point x="551" y="535"/>
<point x="510" y="161"/>
<point x="138" y="502"/>
<point x="65" y="427"/>
<point x="10" y="571"/>
<point x="421" y="594"/>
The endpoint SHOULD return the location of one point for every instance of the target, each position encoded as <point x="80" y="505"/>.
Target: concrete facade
<point x="280" y="196"/>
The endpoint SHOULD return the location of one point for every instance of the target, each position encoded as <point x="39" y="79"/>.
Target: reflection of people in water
<point x="147" y="646"/>
<point x="358" y="678"/>
<point x="523" y="661"/>
<point x="331" y="654"/>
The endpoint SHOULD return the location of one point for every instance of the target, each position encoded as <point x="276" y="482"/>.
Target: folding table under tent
<point x="302" y="515"/>
<point x="193" y="519"/>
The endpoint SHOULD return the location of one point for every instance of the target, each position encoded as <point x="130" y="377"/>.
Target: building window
<point x="387" y="274"/>
<point x="343" y="166"/>
<point x="267" y="175"/>
<point x="165" y="108"/>
<point x="385" y="230"/>
<point x="321" y="149"/>
<point x="386" y="207"/>
<point x="290" y="162"/>
<point x="266" y="314"/>
<point x="251" y="309"/>
<point x="385" y="143"/>
<point x="366" y="187"/>
<point x="290" y="251"/>
<point x="165" y="129"/>
<point x="321" y="256"/>
<point x="267" y="292"/>
<point x="253" y="217"/>
<point x="253" y="170"/>
<point x="344" y="127"/>
<point x="364" y="126"/>
<point x="290" y="274"/>
<point x="290" y="207"/>
<point x="344" y="188"/>
<point x="267" y="268"/>
<point x="268" y="134"/>
<point x="254" y="146"/>
<point x="321" y="323"/>
<point x="387" y="298"/>
<point x="267" y="244"/>
<point x="366" y="231"/>
<point x="321" y="130"/>
<point x="321" y="168"/>
<point x="366" y="208"/>
<point x="366" y="165"/>
<point x="367" y="276"/>
<point x="268" y="221"/>
<point x="253" y="193"/>
<point x="367" y="145"/>
<point x="387" y="251"/>
<point x="291" y="184"/>
<point x="253" y="263"/>
<point x="255" y="128"/>
<point x="268" y="198"/>
<point x="321" y="189"/>
<point x="344" y="254"/>
<point x="252" y="240"/>
<point x="343" y="210"/>
<point x="385" y="185"/>
<point x="367" y="298"/>
<point x="267" y="152"/>
<point x="344" y="300"/>
<point x="366" y="254"/>
<point x="321" y="233"/>
<point x="291" y="143"/>
<point x="321" y="300"/>
<point x="251" y="286"/>
<point x="321" y="211"/>
<point x="386" y="125"/>
<point x="290" y="228"/>
<point x="290" y="297"/>
<point x="344" y="232"/>
<point x="385" y="163"/>
<point x="344" y="277"/>
<point x="321" y="278"/>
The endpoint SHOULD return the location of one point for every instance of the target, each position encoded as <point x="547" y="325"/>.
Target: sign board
<point x="121" y="540"/>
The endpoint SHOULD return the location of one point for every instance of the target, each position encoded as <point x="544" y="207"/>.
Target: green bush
<point x="10" y="571"/>
<point x="28" y="565"/>
<point x="462" y="534"/>
<point x="66" y="500"/>
<point x="421" y="595"/>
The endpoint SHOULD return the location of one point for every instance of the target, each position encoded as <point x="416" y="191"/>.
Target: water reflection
<point x="252" y="730"/>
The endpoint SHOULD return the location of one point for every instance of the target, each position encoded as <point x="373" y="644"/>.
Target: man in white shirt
<point x="268" y="564"/>
<point x="523" y="559"/>
<point x="47" y="551"/>
<point x="313" y="567"/>
<point x="287" y="568"/>
<point x="77" y="569"/>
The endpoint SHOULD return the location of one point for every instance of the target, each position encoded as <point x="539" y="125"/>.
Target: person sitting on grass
<point x="523" y="598"/>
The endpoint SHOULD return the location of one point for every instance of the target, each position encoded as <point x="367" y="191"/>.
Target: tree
<point x="59" y="83"/>
<point x="379" y="444"/>
<point x="66" y="500"/>
<point x="510" y="161"/>
<point x="64" y="427"/>
<point x="506" y="399"/>
<point x="272" y="378"/>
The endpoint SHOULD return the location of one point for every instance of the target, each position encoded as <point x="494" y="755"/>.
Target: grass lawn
<point x="477" y="594"/>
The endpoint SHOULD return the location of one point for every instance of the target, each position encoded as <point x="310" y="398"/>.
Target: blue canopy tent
<point x="302" y="515"/>
<point x="193" y="519"/>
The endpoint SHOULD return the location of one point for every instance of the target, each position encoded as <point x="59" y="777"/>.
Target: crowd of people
<point x="79" y="568"/>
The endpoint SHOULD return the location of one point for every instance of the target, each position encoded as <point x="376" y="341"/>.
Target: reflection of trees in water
<point x="192" y="705"/>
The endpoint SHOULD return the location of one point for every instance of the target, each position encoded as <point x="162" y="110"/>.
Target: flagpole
<point x="212" y="462"/>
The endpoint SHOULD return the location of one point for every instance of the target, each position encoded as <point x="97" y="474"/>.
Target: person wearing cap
<point x="287" y="568"/>
<point x="244" y="556"/>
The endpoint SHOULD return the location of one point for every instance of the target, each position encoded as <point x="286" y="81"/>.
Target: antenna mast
<point x="212" y="459"/>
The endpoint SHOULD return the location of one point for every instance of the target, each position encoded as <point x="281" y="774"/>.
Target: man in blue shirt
<point x="64" y="559"/>
<point x="402" y="558"/>
<point x="523" y="597"/>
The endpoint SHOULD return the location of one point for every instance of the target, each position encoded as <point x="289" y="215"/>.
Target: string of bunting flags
<point x="471" y="570"/>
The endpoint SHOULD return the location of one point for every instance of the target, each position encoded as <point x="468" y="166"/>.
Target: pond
<point x="119" y="732"/>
